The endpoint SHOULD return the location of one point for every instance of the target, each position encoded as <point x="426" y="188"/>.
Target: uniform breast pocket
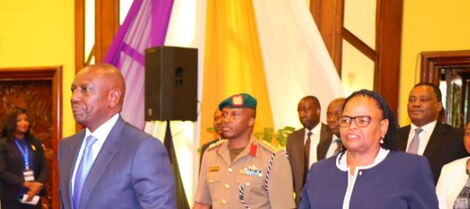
<point x="212" y="177"/>
<point x="213" y="181"/>
<point x="251" y="186"/>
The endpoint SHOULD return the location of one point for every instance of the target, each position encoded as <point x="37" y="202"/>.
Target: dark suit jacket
<point x="131" y="171"/>
<point x="12" y="164"/>
<point x="295" y="149"/>
<point x="444" y="146"/>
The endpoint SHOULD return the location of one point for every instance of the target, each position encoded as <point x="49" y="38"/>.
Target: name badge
<point x="28" y="175"/>
<point x="34" y="201"/>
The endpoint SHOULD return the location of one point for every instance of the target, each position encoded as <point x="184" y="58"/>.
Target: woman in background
<point x="453" y="187"/>
<point x="23" y="168"/>
<point x="369" y="174"/>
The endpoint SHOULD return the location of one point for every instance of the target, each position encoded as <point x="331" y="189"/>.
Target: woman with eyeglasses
<point x="453" y="186"/>
<point x="369" y="174"/>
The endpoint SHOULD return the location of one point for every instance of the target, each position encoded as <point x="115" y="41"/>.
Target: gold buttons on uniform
<point x="230" y="170"/>
<point x="226" y="186"/>
<point x="223" y="202"/>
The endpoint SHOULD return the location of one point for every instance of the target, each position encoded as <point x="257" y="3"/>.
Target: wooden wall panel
<point x="106" y="26"/>
<point x="328" y="14"/>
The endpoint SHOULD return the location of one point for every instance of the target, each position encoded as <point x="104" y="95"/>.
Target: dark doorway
<point x="38" y="90"/>
<point x="450" y="70"/>
<point x="455" y="87"/>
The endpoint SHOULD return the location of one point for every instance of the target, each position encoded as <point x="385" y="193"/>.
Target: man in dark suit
<point x="110" y="164"/>
<point x="333" y="112"/>
<point x="439" y="142"/>
<point x="303" y="145"/>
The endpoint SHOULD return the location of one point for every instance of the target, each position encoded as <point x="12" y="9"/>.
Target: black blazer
<point x="444" y="146"/>
<point x="11" y="168"/>
<point x="295" y="149"/>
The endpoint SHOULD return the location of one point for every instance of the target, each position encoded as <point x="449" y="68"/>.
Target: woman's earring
<point x="381" y="140"/>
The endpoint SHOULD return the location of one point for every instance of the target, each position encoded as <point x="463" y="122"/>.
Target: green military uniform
<point x="258" y="178"/>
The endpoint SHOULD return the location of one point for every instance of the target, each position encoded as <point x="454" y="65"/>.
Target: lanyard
<point x="24" y="153"/>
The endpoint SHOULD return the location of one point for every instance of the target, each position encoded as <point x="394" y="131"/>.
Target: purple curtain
<point x="145" y="26"/>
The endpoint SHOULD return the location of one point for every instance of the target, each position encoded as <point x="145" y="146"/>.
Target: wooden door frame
<point x="432" y="62"/>
<point x="54" y="74"/>
<point x="106" y="26"/>
<point x="328" y="14"/>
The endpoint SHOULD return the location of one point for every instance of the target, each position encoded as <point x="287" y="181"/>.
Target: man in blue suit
<point x="110" y="164"/>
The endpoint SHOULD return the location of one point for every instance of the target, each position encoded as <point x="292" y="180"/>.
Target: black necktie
<point x="307" y="152"/>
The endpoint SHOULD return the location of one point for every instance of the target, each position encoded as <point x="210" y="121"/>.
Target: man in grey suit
<point x="303" y="144"/>
<point x="110" y="164"/>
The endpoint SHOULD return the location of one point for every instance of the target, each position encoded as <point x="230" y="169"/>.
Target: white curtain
<point x="296" y="60"/>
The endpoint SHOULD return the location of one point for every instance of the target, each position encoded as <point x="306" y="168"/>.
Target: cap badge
<point x="237" y="100"/>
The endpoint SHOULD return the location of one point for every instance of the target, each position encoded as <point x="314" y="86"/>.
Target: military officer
<point x="240" y="171"/>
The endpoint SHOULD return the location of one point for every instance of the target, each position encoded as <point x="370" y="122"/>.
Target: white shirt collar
<point x="341" y="160"/>
<point x="424" y="136"/>
<point x="315" y="131"/>
<point x="334" y="138"/>
<point x="426" y="128"/>
<point x="102" y="132"/>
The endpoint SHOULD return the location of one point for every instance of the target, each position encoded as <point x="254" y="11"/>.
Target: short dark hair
<point x="434" y="87"/>
<point x="9" y="124"/>
<point x="391" y="135"/>
<point x="314" y="99"/>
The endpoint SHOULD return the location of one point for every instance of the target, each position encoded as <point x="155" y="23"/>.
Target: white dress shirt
<point x="333" y="146"/>
<point x="101" y="133"/>
<point x="424" y="136"/>
<point x="314" y="140"/>
<point x="451" y="181"/>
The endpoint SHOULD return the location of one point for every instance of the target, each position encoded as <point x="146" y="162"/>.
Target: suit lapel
<point x="106" y="154"/>
<point x="324" y="143"/>
<point x="74" y="147"/>
<point x="435" y="141"/>
<point x="300" y="150"/>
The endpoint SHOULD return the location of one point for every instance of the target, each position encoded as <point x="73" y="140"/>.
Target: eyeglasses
<point x="360" y="120"/>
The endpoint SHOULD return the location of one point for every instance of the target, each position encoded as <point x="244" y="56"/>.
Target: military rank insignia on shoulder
<point x="216" y="144"/>
<point x="270" y="147"/>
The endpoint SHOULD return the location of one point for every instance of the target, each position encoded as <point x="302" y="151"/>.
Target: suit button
<point x="227" y="186"/>
<point x="223" y="202"/>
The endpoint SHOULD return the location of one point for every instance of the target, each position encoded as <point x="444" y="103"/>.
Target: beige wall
<point x="40" y="33"/>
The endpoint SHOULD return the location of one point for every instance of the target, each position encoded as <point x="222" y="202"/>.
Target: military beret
<point x="243" y="100"/>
